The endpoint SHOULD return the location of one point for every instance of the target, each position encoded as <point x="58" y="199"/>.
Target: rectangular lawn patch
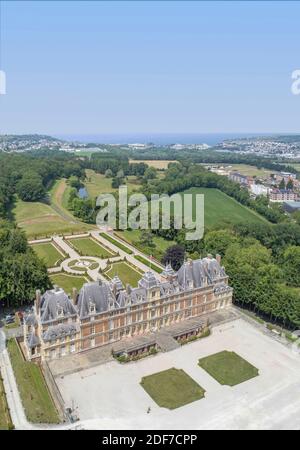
<point x="228" y="368"/>
<point x="68" y="282"/>
<point x="48" y="253"/>
<point x="172" y="388"/>
<point x="89" y="247"/>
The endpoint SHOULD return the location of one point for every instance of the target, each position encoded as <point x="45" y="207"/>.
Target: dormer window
<point x="60" y="311"/>
<point x="92" y="308"/>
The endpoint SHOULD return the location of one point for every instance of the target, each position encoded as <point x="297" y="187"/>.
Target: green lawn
<point x="220" y="209"/>
<point x="133" y="237"/>
<point x="116" y="243"/>
<point x="228" y="368"/>
<point x="40" y="219"/>
<point x="97" y="183"/>
<point x="148" y="263"/>
<point x="5" y="419"/>
<point x="172" y="388"/>
<point x="125" y="272"/>
<point x="68" y="282"/>
<point x="89" y="247"/>
<point x="37" y="402"/>
<point x="48" y="253"/>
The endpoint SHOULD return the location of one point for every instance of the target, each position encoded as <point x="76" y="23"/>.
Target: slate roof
<point x="51" y="303"/>
<point x="97" y="293"/>
<point x="61" y="330"/>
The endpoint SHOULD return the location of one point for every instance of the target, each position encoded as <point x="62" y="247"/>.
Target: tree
<point x="174" y="255"/>
<point x="108" y="173"/>
<point x="218" y="241"/>
<point x="30" y="188"/>
<point x="291" y="265"/>
<point x="290" y="184"/>
<point x="282" y="184"/>
<point x="146" y="239"/>
<point x="150" y="173"/>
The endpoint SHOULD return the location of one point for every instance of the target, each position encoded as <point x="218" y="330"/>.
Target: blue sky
<point x="122" y="67"/>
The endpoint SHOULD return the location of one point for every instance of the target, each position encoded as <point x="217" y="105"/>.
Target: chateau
<point x="104" y="312"/>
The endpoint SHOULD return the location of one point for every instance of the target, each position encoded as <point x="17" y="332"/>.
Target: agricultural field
<point x="228" y="368"/>
<point x="48" y="253"/>
<point x="157" y="164"/>
<point x="220" y="209"/>
<point x="68" y="282"/>
<point x="126" y="273"/>
<point x="87" y="246"/>
<point x="172" y="388"/>
<point x="36" y="399"/>
<point x="133" y="237"/>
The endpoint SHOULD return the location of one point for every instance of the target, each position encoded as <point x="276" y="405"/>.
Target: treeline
<point x="115" y="162"/>
<point x="30" y="175"/>
<point x="211" y="156"/>
<point x="21" y="271"/>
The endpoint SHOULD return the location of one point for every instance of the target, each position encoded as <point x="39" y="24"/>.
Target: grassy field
<point x="89" y="247"/>
<point x="157" y="164"/>
<point x="172" y="388"/>
<point x="48" y="253"/>
<point x="148" y="263"/>
<point x="5" y="419"/>
<point x="97" y="183"/>
<point x="220" y="209"/>
<point x="40" y="219"/>
<point x="228" y="368"/>
<point x="116" y="243"/>
<point x="68" y="282"/>
<point x="125" y="272"/>
<point x="133" y="237"/>
<point x="251" y="171"/>
<point x="37" y="402"/>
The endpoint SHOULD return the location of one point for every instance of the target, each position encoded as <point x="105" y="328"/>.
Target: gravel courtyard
<point x="109" y="396"/>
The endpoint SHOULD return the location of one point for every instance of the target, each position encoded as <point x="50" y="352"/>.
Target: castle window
<point x="60" y="311"/>
<point x="92" y="342"/>
<point x="72" y="348"/>
<point x="153" y="313"/>
<point x="92" y="308"/>
<point x="153" y="294"/>
<point x="93" y="329"/>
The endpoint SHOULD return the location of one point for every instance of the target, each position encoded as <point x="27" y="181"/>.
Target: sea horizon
<point x="160" y="138"/>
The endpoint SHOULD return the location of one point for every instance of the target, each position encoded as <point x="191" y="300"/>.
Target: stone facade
<point x="105" y="312"/>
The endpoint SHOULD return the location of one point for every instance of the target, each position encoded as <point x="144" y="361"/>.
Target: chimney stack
<point x="74" y="296"/>
<point x="37" y="301"/>
<point x="218" y="258"/>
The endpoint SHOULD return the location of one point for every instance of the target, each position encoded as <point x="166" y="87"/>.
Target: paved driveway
<point x="109" y="396"/>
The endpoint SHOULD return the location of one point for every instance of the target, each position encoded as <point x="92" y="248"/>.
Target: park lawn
<point x="36" y="399"/>
<point x="97" y="183"/>
<point x="228" y="368"/>
<point x="48" y="253"/>
<point x="172" y="388"/>
<point x="5" y="419"/>
<point x="126" y="273"/>
<point x="222" y="210"/>
<point x="133" y="237"/>
<point x="89" y="247"/>
<point x="68" y="282"/>
<point x="38" y="219"/>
